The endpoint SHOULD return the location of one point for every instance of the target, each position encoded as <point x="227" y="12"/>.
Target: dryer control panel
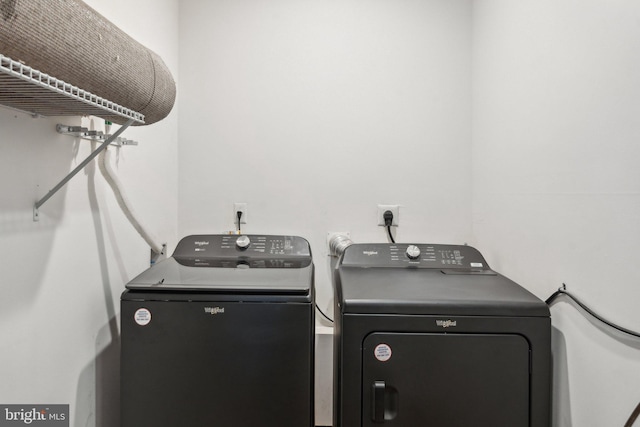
<point x="250" y="250"/>
<point x="418" y="255"/>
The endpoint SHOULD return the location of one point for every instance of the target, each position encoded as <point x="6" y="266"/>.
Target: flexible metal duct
<point x="69" y="40"/>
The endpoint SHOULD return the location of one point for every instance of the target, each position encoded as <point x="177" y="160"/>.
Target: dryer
<point x="221" y="334"/>
<point x="428" y="334"/>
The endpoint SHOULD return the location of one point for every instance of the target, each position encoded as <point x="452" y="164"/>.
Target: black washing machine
<point x="221" y="334"/>
<point x="429" y="335"/>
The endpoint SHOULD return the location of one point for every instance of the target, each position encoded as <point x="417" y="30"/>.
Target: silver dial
<point x="243" y="242"/>
<point x="413" y="252"/>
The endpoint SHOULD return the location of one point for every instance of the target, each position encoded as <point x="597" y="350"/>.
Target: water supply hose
<point x="104" y="163"/>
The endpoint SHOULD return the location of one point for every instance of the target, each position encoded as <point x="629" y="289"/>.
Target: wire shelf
<point x="27" y="89"/>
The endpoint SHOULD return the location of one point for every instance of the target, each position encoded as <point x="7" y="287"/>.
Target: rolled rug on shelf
<point x="70" y="41"/>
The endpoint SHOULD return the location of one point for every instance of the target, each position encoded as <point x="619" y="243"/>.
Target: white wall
<point x="61" y="278"/>
<point x="556" y="132"/>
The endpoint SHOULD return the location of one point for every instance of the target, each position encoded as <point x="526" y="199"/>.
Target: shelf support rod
<point x="105" y="144"/>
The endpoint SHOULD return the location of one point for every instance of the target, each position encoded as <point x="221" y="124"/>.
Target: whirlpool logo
<point x="214" y="310"/>
<point x="446" y="323"/>
<point x="41" y="416"/>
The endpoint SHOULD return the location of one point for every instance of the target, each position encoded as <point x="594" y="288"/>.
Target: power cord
<point x="388" y="221"/>
<point x="563" y="291"/>
<point x="239" y="215"/>
<point x="323" y="314"/>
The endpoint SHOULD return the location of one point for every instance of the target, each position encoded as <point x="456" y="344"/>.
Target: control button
<point x="243" y="242"/>
<point x="413" y="252"/>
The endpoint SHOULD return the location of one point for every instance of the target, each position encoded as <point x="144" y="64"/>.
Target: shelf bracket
<point x="105" y="144"/>
<point x="91" y="135"/>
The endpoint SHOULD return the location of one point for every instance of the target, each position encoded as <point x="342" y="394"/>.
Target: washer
<point x="428" y="334"/>
<point x="221" y="334"/>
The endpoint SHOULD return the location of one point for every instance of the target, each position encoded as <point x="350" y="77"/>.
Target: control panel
<point x="443" y="257"/>
<point x="243" y="251"/>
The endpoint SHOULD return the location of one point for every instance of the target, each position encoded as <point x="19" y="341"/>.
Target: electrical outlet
<point x="240" y="207"/>
<point x="395" y="210"/>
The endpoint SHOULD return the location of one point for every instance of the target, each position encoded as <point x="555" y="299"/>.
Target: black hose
<point x="633" y="417"/>
<point x="563" y="291"/>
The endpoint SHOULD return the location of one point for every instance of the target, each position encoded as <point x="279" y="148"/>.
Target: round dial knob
<point x="413" y="252"/>
<point x="243" y="242"/>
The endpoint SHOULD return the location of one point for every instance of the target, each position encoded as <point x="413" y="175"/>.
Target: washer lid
<point x="224" y="263"/>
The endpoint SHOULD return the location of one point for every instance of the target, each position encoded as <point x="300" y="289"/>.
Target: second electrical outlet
<point x="240" y="207"/>
<point x="395" y="210"/>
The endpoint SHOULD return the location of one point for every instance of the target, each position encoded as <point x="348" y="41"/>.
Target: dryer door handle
<point x="378" y="392"/>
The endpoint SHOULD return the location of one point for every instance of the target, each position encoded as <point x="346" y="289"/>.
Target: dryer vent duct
<point x="72" y="42"/>
<point x="338" y="243"/>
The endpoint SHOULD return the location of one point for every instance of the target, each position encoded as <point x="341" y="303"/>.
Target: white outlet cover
<point x="242" y="207"/>
<point x="395" y="209"/>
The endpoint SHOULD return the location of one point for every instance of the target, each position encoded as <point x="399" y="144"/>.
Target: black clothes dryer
<point x="221" y="334"/>
<point x="429" y="335"/>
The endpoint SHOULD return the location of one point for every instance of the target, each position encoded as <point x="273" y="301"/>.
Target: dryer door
<point x="453" y="380"/>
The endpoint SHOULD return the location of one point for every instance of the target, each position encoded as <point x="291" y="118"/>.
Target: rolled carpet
<point x="69" y="40"/>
